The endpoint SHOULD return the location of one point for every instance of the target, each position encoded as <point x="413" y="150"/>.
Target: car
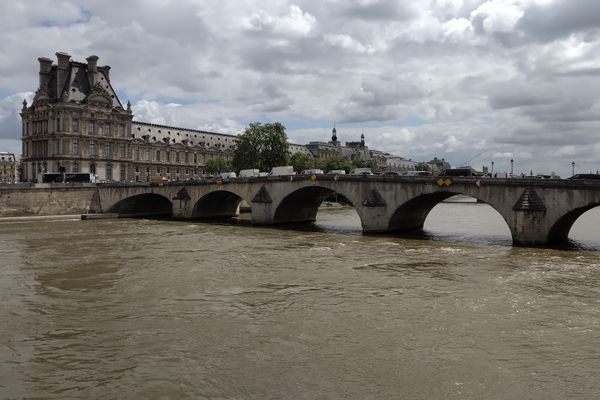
<point x="337" y="171"/>
<point x="361" y="171"/>
<point x="585" y="176"/>
<point x="459" y="172"/>
<point x="416" y="173"/>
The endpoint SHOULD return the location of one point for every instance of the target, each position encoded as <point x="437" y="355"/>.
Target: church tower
<point x="334" y="135"/>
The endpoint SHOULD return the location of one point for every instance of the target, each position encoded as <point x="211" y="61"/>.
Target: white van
<point x="361" y="171"/>
<point x="314" y="171"/>
<point x="337" y="171"/>
<point x="227" y="175"/>
<point x="249" y="173"/>
<point x="282" y="171"/>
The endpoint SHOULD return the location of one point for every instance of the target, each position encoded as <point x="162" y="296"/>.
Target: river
<point x="151" y="309"/>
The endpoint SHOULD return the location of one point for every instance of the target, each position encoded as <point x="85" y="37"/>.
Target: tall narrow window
<point x="107" y="150"/>
<point x="92" y="128"/>
<point x="92" y="149"/>
<point x="122" y="150"/>
<point x="75" y="167"/>
<point x="75" y="147"/>
<point x="147" y="154"/>
<point x="109" y="172"/>
<point x="187" y="158"/>
<point x="107" y="129"/>
<point x="75" y="123"/>
<point x="136" y="153"/>
<point x="157" y="154"/>
<point x="92" y="168"/>
<point x="122" y="130"/>
<point x="176" y="156"/>
<point x="123" y="173"/>
<point x="168" y="156"/>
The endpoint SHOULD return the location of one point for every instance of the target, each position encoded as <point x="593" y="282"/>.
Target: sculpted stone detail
<point x="99" y="97"/>
<point x="529" y="201"/>
<point x="262" y="196"/>
<point x="374" y="199"/>
<point x="182" y="195"/>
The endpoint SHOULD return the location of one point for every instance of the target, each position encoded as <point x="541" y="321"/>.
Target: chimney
<point x="45" y="71"/>
<point x="92" y="69"/>
<point x="106" y="70"/>
<point x="61" y="72"/>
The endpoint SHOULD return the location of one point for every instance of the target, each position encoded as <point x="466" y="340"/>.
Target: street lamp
<point x="573" y="168"/>
<point x="492" y="168"/>
<point x="511" y="166"/>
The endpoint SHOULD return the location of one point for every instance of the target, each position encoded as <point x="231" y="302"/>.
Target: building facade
<point x="8" y="167"/>
<point x="76" y="123"/>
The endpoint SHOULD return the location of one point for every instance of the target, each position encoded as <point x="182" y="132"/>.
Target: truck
<point x="249" y="173"/>
<point x="282" y="171"/>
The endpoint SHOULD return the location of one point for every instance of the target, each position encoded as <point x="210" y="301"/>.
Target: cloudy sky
<point x="455" y="79"/>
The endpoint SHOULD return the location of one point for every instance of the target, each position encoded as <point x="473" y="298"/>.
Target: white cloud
<point x="446" y="78"/>
<point x="296" y="24"/>
<point x="498" y="15"/>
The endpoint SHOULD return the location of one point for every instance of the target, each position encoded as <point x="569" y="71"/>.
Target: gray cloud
<point x="447" y="78"/>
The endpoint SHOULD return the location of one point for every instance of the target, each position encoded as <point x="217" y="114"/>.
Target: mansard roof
<point x="73" y="81"/>
<point x="156" y="133"/>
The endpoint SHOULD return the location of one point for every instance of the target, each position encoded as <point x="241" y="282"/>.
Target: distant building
<point x="400" y="164"/>
<point x="77" y="123"/>
<point x="438" y="165"/>
<point x="8" y="167"/>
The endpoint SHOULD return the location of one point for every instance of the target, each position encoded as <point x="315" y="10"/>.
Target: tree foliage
<point x="261" y="146"/>
<point x="333" y="162"/>
<point x="359" y="163"/>
<point x="423" y="166"/>
<point x="217" y="165"/>
<point x="301" y="161"/>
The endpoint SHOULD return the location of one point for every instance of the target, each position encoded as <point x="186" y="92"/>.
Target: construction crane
<point x="466" y="163"/>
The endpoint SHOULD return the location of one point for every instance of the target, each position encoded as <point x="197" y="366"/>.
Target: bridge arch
<point x="559" y="232"/>
<point x="144" y="205"/>
<point x="217" y="204"/>
<point x="302" y="205"/>
<point x="412" y="214"/>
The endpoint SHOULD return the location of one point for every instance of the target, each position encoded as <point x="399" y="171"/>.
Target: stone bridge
<point x="537" y="212"/>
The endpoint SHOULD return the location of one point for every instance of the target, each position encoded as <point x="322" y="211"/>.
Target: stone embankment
<point x="49" y="199"/>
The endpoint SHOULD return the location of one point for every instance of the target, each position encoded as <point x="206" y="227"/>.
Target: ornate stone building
<point x="8" y="167"/>
<point x="78" y="123"/>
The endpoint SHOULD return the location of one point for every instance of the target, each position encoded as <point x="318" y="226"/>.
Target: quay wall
<point x="25" y="201"/>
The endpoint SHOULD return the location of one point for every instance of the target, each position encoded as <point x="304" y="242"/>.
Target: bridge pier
<point x="262" y="213"/>
<point x="374" y="219"/>
<point x="529" y="228"/>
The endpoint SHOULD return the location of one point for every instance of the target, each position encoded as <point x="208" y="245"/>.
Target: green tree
<point x="365" y="164"/>
<point x="217" y="165"/>
<point x="261" y="146"/>
<point x="302" y="161"/>
<point x="423" y="166"/>
<point x="333" y="162"/>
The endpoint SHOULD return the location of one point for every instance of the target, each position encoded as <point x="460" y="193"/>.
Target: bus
<point x="58" y="177"/>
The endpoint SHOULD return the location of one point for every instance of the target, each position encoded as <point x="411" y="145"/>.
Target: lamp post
<point x="573" y="168"/>
<point x="511" y="166"/>
<point x="492" y="169"/>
